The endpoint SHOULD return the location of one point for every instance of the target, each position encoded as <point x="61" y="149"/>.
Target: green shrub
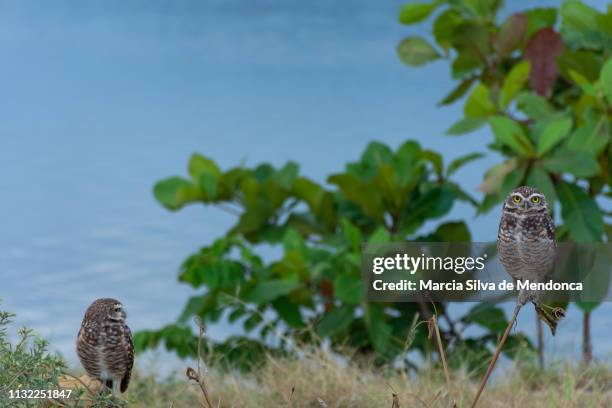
<point x="25" y="364"/>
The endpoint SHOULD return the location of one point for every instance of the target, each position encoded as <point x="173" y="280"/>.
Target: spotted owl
<point x="526" y="245"/>
<point x="104" y="344"/>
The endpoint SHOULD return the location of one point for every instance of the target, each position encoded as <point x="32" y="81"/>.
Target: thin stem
<point x="540" y="334"/>
<point x="442" y="357"/>
<point x="500" y="345"/>
<point x="587" y="347"/>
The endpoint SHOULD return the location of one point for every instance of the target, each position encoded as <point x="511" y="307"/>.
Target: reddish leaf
<point x="511" y="34"/>
<point x="542" y="50"/>
<point x="326" y="289"/>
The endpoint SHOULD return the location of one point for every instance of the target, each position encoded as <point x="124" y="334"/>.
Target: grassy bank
<point x="321" y="380"/>
<point x="315" y="379"/>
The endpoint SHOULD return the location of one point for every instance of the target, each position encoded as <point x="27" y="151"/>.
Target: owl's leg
<point x="523" y="297"/>
<point x="114" y="388"/>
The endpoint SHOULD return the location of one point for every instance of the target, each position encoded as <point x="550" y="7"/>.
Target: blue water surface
<point x="101" y="99"/>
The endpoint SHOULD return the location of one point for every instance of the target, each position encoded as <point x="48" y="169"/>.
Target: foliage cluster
<point x="313" y="290"/>
<point x="542" y="81"/>
<point x="25" y="364"/>
<point x="545" y="90"/>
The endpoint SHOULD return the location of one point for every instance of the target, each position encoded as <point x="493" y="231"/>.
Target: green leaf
<point x="509" y="133"/>
<point x="175" y="192"/>
<point x="378" y="330"/>
<point x="444" y="27"/>
<point x="534" y="106"/>
<point x="377" y="154"/>
<point x="348" y="288"/>
<point x="466" y="125"/>
<point x="485" y="8"/>
<point x="362" y="194"/>
<point x="495" y="176"/>
<point x="578" y="16"/>
<point x="267" y="291"/>
<point x="578" y="163"/>
<point x="335" y="321"/>
<point x="512" y="180"/>
<point x="466" y="63"/>
<point x="606" y="79"/>
<point x="539" y="18"/>
<point x="199" y="164"/>
<point x="252" y="322"/>
<point x="414" y="12"/>
<point x="592" y="137"/>
<point x="461" y="161"/>
<point x="579" y="24"/>
<point x="511" y="33"/>
<point x="584" y="62"/>
<point x="514" y="82"/>
<point x="293" y="241"/>
<point x="453" y="232"/>
<point x="288" y="311"/>
<point x="580" y="213"/>
<point x="553" y="133"/>
<point x="416" y="51"/>
<point x="479" y="103"/>
<point x="541" y="180"/>
<point x="434" y="203"/>
<point x="582" y="82"/>
<point x="380" y="236"/>
<point x="352" y="234"/>
<point x="587" y="306"/>
<point x="209" y="183"/>
<point x="488" y="316"/>
<point x="435" y="159"/>
<point x="458" y="91"/>
<point x="287" y="175"/>
<point x="194" y="306"/>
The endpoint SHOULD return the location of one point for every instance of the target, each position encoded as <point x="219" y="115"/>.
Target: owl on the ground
<point x="526" y="246"/>
<point x="104" y="344"/>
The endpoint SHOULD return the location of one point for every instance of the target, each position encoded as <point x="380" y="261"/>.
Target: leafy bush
<point x="542" y="80"/>
<point x="26" y="364"/>
<point x="545" y="90"/>
<point x="314" y="289"/>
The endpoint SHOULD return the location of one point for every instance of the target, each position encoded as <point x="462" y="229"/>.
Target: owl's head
<point x="111" y="309"/>
<point x="525" y="199"/>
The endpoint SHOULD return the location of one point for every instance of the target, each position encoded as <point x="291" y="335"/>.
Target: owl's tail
<point x="551" y="316"/>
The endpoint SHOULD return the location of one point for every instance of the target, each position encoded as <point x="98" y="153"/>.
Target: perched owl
<point x="104" y="344"/>
<point x="526" y="245"/>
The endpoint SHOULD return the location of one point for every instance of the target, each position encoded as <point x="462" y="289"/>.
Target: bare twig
<point x="540" y="336"/>
<point x="395" y="403"/>
<point x="322" y="402"/>
<point x="500" y="345"/>
<point x="193" y="375"/>
<point x="197" y="376"/>
<point x="433" y="327"/>
<point x="292" y="392"/>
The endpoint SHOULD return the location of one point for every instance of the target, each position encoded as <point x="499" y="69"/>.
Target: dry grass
<point x="322" y="380"/>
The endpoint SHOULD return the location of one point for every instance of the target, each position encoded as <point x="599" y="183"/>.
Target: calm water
<point x="103" y="99"/>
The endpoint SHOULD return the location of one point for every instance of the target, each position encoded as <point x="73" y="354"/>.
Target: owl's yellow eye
<point x="516" y="199"/>
<point x="535" y="199"/>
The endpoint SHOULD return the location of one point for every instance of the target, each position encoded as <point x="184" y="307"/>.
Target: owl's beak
<point x="525" y="204"/>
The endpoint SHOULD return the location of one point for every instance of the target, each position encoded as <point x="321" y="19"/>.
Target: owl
<point x="526" y="245"/>
<point x="104" y="344"/>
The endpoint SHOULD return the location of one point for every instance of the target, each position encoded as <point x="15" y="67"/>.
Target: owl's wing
<point x="129" y="347"/>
